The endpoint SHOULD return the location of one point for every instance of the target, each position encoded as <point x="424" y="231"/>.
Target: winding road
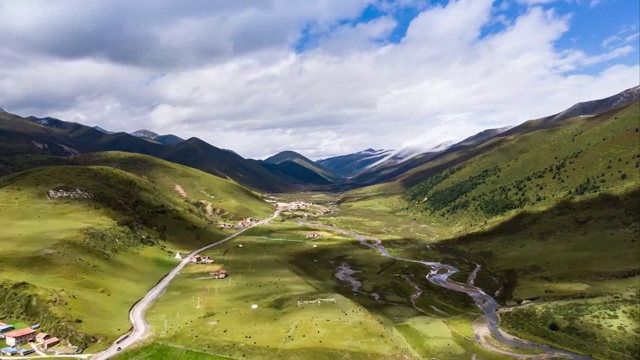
<point x="136" y="315"/>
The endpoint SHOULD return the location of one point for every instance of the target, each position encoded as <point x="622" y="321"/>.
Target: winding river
<point x="440" y="275"/>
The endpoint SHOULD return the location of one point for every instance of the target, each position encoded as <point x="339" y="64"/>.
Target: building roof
<point x="51" y="340"/>
<point x="42" y="335"/>
<point x="19" y="333"/>
<point x="9" y="350"/>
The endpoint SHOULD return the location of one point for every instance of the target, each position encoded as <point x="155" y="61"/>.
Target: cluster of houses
<point x="15" y="338"/>
<point x="72" y="194"/>
<point x="242" y="224"/>
<point x="199" y="259"/>
<point x="298" y="205"/>
<point x="314" y="235"/>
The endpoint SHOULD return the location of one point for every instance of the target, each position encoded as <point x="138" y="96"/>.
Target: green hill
<point x="76" y="264"/>
<point x="531" y="170"/>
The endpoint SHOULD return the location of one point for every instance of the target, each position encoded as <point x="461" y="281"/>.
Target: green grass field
<point x="84" y="262"/>
<point x="275" y="268"/>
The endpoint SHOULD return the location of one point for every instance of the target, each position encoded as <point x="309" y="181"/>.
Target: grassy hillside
<point x="533" y="171"/>
<point x="76" y="265"/>
<point x="227" y="164"/>
<point x="580" y="262"/>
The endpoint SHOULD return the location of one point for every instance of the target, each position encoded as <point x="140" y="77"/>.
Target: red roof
<point x="51" y="341"/>
<point x="20" y="333"/>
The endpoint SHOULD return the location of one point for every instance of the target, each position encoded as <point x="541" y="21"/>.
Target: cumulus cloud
<point x="230" y="73"/>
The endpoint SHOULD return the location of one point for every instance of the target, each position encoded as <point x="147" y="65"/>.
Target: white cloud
<point x="224" y="77"/>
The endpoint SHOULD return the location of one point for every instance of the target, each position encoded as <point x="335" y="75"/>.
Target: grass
<point x="157" y="351"/>
<point x="84" y="262"/>
<point x="507" y="175"/>
<point x="583" y="325"/>
<point x="276" y="274"/>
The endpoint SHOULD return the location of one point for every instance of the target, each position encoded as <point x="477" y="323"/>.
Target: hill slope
<point x="419" y="167"/>
<point x="303" y="161"/>
<point x="93" y="252"/>
<point x="296" y="173"/>
<point x="582" y="156"/>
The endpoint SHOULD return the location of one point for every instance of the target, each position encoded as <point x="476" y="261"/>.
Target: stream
<point x="439" y="275"/>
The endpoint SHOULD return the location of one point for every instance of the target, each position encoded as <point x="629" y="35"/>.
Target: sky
<point x="321" y="77"/>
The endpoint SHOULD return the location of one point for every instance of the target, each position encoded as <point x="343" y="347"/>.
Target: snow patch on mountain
<point x="144" y="133"/>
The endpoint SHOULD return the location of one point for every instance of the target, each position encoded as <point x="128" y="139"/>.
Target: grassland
<point x="77" y="265"/>
<point x="275" y="268"/>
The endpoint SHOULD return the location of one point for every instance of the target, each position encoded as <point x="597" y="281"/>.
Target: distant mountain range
<point x="405" y="163"/>
<point x="284" y="171"/>
<point x="55" y="137"/>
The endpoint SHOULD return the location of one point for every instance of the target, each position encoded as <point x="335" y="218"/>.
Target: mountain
<point x="583" y="156"/>
<point x="409" y="169"/>
<point x="296" y="173"/>
<point x="226" y="164"/>
<point x="103" y="130"/>
<point x="145" y="134"/>
<point x="595" y="107"/>
<point x="303" y="161"/>
<point x="352" y="164"/>
<point x="54" y="137"/>
<point x="480" y="137"/>
<point x="168" y="139"/>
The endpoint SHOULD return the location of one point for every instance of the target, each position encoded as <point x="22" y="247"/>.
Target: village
<point x="21" y="340"/>
<point x="242" y="224"/>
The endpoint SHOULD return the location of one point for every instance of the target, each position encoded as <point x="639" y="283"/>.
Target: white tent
<point x="178" y="256"/>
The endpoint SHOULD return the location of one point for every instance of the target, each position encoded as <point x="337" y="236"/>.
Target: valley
<point x="491" y="248"/>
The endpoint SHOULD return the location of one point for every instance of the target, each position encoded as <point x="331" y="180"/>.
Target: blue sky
<point x="592" y="22"/>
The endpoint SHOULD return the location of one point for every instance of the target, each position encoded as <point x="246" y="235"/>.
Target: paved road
<point x="136" y="315"/>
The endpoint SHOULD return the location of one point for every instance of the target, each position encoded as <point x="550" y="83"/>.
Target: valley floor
<point x="378" y="308"/>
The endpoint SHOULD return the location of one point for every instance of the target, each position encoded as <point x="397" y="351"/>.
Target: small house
<point x="41" y="337"/>
<point x="5" y="327"/>
<point x="52" y="341"/>
<point x="25" y="352"/>
<point x="314" y="235"/>
<point x="9" y="351"/>
<point x="19" y="337"/>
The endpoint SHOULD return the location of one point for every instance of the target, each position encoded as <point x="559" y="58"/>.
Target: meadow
<point x="274" y="267"/>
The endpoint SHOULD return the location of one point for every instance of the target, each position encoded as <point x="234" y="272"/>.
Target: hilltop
<point x="293" y="156"/>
